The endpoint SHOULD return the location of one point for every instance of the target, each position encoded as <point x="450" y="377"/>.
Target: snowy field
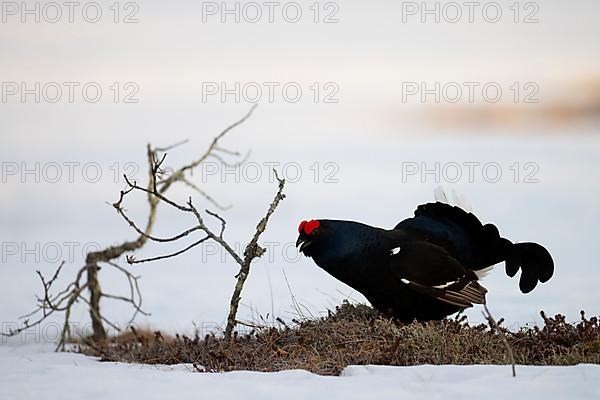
<point x="560" y="211"/>
<point x="556" y="211"/>
<point x="34" y="372"/>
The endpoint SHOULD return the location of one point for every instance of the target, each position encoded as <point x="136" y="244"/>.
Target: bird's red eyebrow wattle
<point x="311" y="226"/>
<point x="301" y="227"/>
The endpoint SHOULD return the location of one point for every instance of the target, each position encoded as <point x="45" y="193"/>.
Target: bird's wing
<point x="430" y="269"/>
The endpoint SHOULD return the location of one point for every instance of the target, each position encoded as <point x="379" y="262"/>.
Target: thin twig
<point x="252" y="251"/>
<point x="63" y="300"/>
<point x="132" y="260"/>
<point x="494" y="326"/>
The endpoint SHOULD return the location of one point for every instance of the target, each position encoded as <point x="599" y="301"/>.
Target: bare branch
<point x="252" y="251"/>
<point x="180" y="173"/>
<point x="227" y="151"/>
<point x="132" y="260"/>
<point x="170" y="147"/>
<point x="495" y="327"/>
<point x="157" y="186"/>
<point x="205" y="195"/>
<point x="223" y="223"/>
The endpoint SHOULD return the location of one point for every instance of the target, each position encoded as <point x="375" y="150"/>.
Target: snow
<point x="193" y="290"/>
<point x="34" y="371"/>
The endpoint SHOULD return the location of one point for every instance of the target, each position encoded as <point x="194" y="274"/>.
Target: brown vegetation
<point x="357" y="335"/>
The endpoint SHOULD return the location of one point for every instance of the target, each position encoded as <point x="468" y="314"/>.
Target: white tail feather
<point x="440" y="195"/>
<point x="457" y="199"/>
<point x="482" y="273"/>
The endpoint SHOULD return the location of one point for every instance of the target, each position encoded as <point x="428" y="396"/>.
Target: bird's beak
<point x="303" y="243"/>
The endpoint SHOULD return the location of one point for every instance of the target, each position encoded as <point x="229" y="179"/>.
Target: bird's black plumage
<point x="427" y="266"/>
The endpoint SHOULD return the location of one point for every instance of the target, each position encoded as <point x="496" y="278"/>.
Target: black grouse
<point x="428" y="266"/>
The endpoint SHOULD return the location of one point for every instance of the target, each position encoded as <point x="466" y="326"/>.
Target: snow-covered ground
<point x="560" y="211"/>
<point x="34" y="372"/>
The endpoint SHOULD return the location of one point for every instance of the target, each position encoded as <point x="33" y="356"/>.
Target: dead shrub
<point x="358" y="335"/>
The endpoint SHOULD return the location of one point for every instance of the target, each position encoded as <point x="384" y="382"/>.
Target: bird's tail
<point x="535" y="262"/>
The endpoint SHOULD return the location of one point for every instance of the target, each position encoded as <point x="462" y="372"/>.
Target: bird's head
<point x="309" y="236"/>
<point x="330" y="242"/>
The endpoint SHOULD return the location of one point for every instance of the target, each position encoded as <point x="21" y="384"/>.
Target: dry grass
<point x="357" y="335"/>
